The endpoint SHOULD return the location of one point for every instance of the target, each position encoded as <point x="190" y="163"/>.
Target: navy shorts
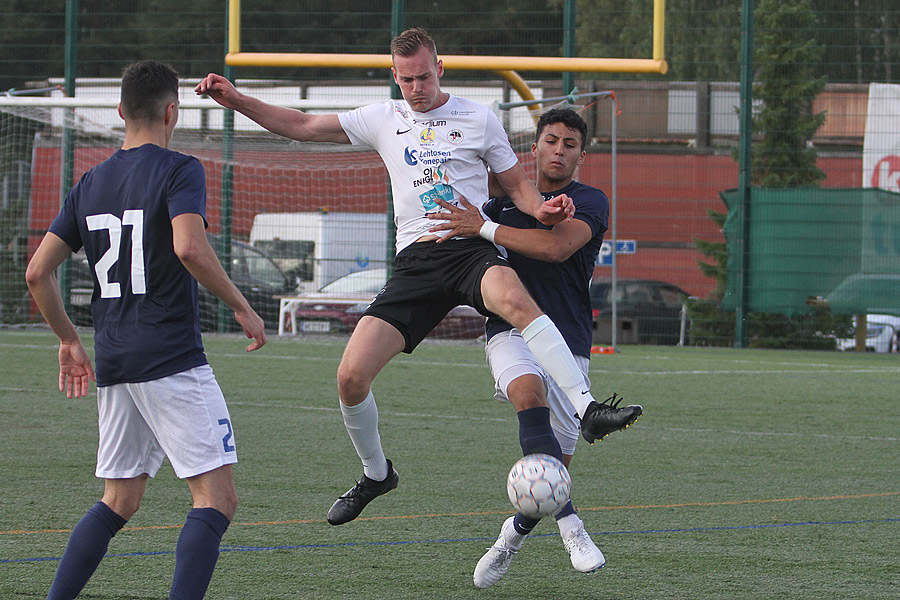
<point x="431" y="279"/>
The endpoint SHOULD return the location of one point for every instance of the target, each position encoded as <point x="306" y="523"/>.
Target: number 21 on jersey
<point x="113" y="227"/>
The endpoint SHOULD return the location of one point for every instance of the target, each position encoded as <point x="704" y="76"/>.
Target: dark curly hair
<point x="567" y="117"/>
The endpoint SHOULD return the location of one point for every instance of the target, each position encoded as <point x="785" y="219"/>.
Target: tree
<point x="786" y="53"/>
<point x="786" y="57"/>
<point x="701" y="35"/>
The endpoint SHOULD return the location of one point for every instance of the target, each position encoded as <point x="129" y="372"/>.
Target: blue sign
<point x="604" y="258"/>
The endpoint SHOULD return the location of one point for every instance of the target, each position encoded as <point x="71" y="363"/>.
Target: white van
<point x="318" y="247"/>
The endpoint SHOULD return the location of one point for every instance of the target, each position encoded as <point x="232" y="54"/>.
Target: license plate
<point x="315" y="326"/>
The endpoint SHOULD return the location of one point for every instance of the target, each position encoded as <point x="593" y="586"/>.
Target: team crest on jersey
<point x="455" y="136"/>
<point x="427" y="136"/>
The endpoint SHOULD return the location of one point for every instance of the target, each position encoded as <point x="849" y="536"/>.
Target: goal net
<point x="304" y="230"/>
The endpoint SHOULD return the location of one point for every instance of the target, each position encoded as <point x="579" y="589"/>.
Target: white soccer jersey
<point x="443" y="153"/>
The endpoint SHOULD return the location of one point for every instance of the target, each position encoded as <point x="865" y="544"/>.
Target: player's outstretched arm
<point x="75" y="369"/>
<point x="288" y="122"/>
<point x="527" y="198"/>
<point x="198" y="257"/>
<point x="550" y="245"/>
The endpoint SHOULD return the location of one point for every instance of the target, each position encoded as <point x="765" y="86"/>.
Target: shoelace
<point x="613" y="401"/>
<point x="505" y="554"/>
<point x="571" y="542"/>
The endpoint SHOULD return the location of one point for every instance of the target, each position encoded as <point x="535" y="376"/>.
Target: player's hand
<point x="460" y="221"/>
<point x="75" y="370"/>
<point x="253" y="328"/>
<point x="556" y="210"/>
<point x="219" y="89"/>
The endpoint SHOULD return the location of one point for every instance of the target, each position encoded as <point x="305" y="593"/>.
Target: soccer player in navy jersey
<point x="436" y="147"/>
<point x="141" y="218"/>
<point x="555" y="264"/>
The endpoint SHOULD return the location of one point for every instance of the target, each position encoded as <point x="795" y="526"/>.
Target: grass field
<point x="752" y="474"/>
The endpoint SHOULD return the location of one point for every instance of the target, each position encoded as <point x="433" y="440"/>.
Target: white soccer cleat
<point x="586" y="556"/>
<point x="495" y="562"/>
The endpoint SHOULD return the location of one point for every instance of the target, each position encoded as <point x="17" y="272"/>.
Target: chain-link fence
<point x="817" y="124"/>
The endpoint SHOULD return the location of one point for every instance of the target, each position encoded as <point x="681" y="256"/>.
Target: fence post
<point x="741" y="334"/>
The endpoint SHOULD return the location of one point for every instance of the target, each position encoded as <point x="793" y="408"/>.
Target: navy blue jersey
<point x="144" y="304"/>
<point x="560" y="289"/>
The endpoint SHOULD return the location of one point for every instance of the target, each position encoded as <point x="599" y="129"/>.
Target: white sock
<point x="568" y="524"/>
<point x="549" y="347"/>
<point x="361" y="422"/>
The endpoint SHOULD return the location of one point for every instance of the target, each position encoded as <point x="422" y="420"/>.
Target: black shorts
<point x="431" y="279"/>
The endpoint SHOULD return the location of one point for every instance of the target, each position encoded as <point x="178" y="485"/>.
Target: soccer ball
<point x="538" y="485"/>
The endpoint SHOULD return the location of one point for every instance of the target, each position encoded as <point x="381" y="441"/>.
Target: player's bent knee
<point x="352" y="387"/>
<point x="123" y="506"/>
<point x="227" y="506"/>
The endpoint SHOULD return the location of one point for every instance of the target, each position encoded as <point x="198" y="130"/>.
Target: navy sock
<point x="524" y="524"/>
<point x="86" y="548"/>
<point x="196" y="553"/>
<point x="565" y="511"/>
<point x="535" y="434"/>
<point x="536" y="437"/>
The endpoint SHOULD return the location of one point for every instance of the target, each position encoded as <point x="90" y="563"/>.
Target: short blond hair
<point x="409" y="42"/>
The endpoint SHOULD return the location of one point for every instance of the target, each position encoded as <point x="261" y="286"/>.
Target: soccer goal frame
<point x="505" y="66"/>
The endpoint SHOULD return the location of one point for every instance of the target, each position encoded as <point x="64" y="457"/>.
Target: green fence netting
<point x="809" y="245"/>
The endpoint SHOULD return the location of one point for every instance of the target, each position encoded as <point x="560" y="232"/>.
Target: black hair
<point x="567" y="117"/>
<point x="147" y="88"/>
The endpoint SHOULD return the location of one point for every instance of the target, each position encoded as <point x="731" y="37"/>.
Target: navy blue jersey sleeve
<point x="592" y="207"/>
<point x="187" y="189"/>
<point x="65" y="225"/>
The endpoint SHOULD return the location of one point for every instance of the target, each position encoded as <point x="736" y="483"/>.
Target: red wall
<point x="661" y="199"/>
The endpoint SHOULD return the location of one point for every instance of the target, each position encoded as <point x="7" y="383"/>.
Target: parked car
<point x="648" y="311"/>
<point x="882" y="335"/>
<point x="253" y="272"/>
<point x="338" y="306"/>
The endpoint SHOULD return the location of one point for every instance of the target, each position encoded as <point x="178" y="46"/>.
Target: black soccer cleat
<point x="347" y="507"/>
<point x="602" y="418"/>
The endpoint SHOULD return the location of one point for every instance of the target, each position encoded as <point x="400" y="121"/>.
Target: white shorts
<point x="509" y="358"/>
<point x="182" y="416"/>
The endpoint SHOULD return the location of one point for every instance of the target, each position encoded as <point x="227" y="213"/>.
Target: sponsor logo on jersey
<point x="402" y="131"/>
<point x="428" y="136"/>
<point x="461" y="113"/>
<point x="430" y="122"/>
<point x="431" y="176"/>
<point x="455" y="136"/>
<point x="444" y="192"/>
<point x="426" y="157"/>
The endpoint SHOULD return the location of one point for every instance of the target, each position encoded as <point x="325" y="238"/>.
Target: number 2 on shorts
<point x="227" y="438"/>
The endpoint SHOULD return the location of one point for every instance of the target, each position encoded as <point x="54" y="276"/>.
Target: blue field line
<point x="234" y="548"/>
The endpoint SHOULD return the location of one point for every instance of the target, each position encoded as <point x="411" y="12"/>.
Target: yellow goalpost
<point x="505" y="66"/>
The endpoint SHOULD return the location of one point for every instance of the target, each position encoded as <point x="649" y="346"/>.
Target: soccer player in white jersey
<point x="141" y="218"/>
<point x="556" y="265"/>
<point x="435" y="146"/>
